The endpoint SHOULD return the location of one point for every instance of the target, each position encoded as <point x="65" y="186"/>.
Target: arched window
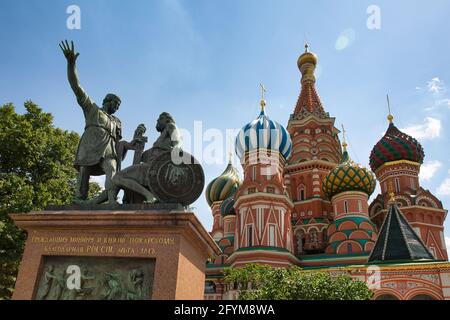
<point x="397" y="185"/>
<point x="413" y="184"/>
<point x="300" y="241"/>
<point x="254" y="173"/>
<point x="301" y="193"/>
<point x="272" y="235"/>
<point x="250" y="236"/>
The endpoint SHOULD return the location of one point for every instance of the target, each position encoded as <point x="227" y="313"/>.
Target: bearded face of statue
<point x="161" y="123"/>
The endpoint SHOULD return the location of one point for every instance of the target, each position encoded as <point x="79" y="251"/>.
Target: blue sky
<point x="203" y="60"/>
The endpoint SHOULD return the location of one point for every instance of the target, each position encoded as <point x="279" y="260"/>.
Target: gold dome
<point x="307" y="64"/>
<point x="307" y="57"/>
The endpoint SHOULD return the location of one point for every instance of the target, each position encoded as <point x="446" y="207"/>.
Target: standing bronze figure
<point x="97" y="150"/>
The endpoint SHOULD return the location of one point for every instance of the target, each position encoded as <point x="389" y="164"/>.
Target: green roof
<point x="397" y="240"/>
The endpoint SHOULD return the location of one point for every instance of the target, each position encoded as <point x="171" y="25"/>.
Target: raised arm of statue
<point x="71" y="56"/>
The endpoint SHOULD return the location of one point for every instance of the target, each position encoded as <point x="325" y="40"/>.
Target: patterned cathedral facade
<point x="303" y="201"/>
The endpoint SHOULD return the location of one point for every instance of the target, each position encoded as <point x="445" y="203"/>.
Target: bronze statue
<point x="97" y="152"/>
<point x="156" y="175"/>
<point x="164" y="173"/>
<point x="135" y="177"/>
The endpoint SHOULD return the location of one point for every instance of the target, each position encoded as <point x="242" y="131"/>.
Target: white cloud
<point x="345" y="39"/>
<point x="428" y="169"/>
<point x="436" y="85"/>
<point x="445" y="103"/>
<point x="444" y="188"/>
<point x="429" y="130"/>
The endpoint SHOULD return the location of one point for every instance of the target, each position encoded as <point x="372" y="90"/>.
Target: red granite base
<point x="176" y="242"/>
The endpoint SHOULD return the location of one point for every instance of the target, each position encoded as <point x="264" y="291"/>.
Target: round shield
<point x="176" y="177"/>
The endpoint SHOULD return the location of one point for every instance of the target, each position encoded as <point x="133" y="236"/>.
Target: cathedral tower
<point x="316" y="150"/>
<point x="349" y="186"/>
<point x="396" y="160"/>
<point x="263" y="232"/>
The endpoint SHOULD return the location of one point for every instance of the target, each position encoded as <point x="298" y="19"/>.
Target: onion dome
<point x="307" y="57"/>
<point x="227" y="207"/>
<point x="395" y="145"/>
<point x="348" y="176"/>
<point x="263" y="133"/>
<point x="223" y="186"/>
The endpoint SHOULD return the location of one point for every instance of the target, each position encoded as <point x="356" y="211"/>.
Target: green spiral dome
<point x="223" y="186"/>
<point x="348" y="176"/>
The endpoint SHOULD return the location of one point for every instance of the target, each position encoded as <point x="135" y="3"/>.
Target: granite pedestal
<point x="113" y="254"/>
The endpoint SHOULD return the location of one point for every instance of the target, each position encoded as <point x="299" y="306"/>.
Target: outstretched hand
<point x="69" y="51"/>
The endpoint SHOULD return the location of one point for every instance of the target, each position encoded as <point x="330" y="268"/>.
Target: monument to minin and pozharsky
<point x="148" y="247"/>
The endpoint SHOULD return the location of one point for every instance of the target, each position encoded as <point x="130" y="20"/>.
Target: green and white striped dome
<point x="223" y="186"/>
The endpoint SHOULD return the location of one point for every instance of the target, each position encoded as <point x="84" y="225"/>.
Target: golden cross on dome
<point x="263" y="101"/>
<point x="390" y="116"/>
<point x="263" y="90"/>
<point x="344" y="143"/>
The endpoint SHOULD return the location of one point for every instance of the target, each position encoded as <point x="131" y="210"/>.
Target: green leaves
<point x="36" y="169"/>
<point x="262" y="282"/>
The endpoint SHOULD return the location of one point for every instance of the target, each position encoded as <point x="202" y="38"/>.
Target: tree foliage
<point x="36" y="169"/>
<point x="262" y="282"/>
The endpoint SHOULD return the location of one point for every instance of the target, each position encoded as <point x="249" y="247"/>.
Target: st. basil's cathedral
<point x="303" y="201"/>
